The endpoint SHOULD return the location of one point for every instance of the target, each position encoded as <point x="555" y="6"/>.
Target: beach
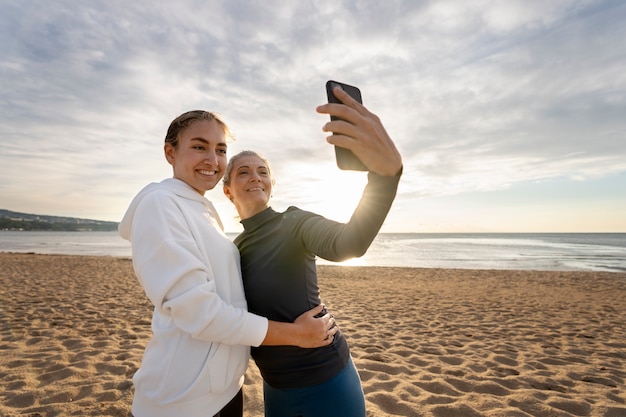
<point x="426" y="342"/>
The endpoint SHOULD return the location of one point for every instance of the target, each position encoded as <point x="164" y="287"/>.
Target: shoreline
<point x="328" y="264"/>
<point x="426" y="341"/>
<point x="504" y="251"/>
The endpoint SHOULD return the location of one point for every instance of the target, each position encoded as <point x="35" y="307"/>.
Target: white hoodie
<point x="195" y="362"/>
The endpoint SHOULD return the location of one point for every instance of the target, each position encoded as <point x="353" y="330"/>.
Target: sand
<point x="426" y="342"/>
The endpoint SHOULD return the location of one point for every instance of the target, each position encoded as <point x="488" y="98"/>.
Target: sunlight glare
<point x="340" y="194"/>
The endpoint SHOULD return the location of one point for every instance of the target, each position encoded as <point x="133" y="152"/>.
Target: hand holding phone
<point x="346" y="160"/>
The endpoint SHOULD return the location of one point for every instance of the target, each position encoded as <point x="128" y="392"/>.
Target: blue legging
<point x="342" y="396"/>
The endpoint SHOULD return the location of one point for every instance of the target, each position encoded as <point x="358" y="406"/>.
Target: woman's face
<point x="200" y="157"/>
<point x="250" y="186"/>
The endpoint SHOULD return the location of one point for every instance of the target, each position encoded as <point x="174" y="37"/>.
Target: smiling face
<point x="199" y="157"/>
<point x="249" y="184"/>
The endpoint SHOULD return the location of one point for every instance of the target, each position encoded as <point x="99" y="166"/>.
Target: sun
<point x="340" y="193"/>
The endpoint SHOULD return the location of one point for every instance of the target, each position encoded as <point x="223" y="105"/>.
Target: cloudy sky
<point x="510" y="115"/>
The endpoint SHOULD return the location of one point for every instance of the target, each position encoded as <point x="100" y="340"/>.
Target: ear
<point x="227" y="192"/>
<point x="169" y="152"/>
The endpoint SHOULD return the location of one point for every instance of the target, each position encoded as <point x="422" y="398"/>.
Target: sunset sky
<point x="510" y="115"/>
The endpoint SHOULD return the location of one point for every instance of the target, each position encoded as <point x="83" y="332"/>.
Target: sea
<point x="516" y="251"/>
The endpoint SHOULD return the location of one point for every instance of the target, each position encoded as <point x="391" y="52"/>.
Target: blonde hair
<point x="235" y="158"/>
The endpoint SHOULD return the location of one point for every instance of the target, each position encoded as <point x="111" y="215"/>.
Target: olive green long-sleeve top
<point x="278" y="252"/>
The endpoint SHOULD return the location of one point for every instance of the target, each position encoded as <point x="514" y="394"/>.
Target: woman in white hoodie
<point x="196" y="360"/>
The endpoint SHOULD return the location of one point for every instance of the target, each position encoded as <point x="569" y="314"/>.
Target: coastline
<point x="502" y="251"/>
<point x="426" y="342"/>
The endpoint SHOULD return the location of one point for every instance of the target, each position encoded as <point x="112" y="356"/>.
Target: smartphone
<point x="346" y="160"/>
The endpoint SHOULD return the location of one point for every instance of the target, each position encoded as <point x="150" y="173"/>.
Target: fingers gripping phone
<point x="346" y="160"/>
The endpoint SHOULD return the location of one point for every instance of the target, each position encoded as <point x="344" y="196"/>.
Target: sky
<point x="510" y="115"/>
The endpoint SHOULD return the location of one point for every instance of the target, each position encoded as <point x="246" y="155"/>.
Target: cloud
<point x="478" y="95"/>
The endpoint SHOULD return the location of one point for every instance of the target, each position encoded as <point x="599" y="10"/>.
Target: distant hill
<point x="11" y="220"/>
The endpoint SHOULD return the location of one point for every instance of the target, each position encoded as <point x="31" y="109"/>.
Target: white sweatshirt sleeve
<point x="180" y="284"/>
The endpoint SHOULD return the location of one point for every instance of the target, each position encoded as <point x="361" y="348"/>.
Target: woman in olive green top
<point x="278" y="252"/>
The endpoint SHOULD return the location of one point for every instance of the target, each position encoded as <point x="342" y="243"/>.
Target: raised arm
<point x="362" y="132"/>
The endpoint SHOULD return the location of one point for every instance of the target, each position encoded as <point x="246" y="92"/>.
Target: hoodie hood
<point x="169" y="185"/>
